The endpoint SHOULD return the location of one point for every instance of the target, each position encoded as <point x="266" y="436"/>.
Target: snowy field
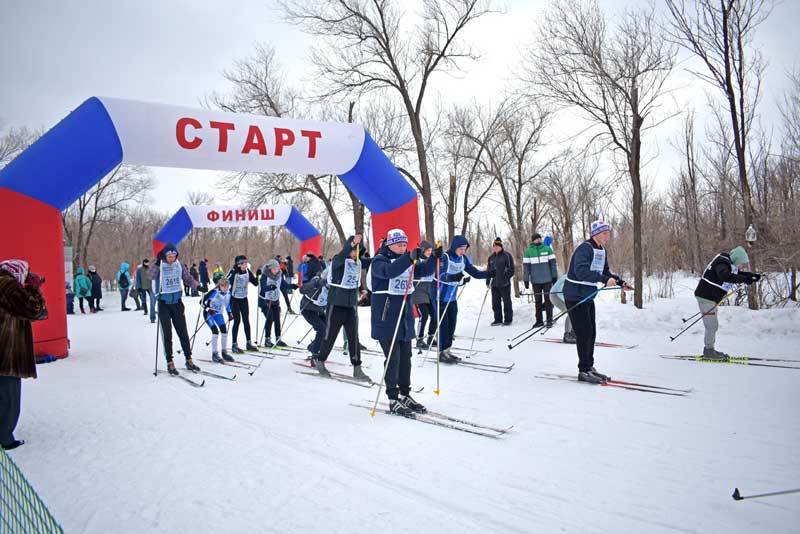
<point x="111" y="448"/>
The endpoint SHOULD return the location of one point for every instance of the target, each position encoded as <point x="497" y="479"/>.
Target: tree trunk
<point x="634" y="168"/>
<point x="793" y="292"/>
<point x="451" y="209"/>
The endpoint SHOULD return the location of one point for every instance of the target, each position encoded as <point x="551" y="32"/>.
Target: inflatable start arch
<point x="105" y="132"/>
<point x="189" y="217"/>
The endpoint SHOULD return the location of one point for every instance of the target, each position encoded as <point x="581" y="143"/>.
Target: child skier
<point x="216" y="309"/>
<point x="272" y="284"/>
<point x="239" y="276"/>
<point x="421" y="298"/>
<point x="313" y="308"/>
<point x="169" y="275"/>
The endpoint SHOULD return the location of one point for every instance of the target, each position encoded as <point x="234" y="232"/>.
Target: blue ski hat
<point x="458" y="242"/>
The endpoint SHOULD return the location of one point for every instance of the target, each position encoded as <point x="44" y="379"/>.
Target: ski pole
<point x="193" y="335"/>
<point x="687" y="319"/>
<point x="158" y="331"/>
<point x="709" y="312"/>
<point x="227" y="322"/>
<point x="196" y="323"/>
<point x="306" y="335"/>
<point x="394" y="337"/>
<point x="440" y="317"/>
<point x="477" y="322"/>
<point x="537" y="330"/>
<point x="738" y="497"/>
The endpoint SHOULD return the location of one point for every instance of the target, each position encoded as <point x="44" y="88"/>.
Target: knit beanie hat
<point x="425" y="245"/>
<point x="395" y="236"/>
<point x="535" y="236"/>
<point x="739" y="256"/>
<point x="271" y="264"/>
<point x="599" y="226"/>
<point x="16" y="268"/>
<point x="498" y="242"/>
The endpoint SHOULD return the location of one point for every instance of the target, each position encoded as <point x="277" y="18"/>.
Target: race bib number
<point x="598" y="261"/>
<point x="399" y="284"/>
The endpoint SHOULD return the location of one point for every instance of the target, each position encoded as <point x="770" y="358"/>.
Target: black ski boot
<point x="421" y="344"/>
<point x="250" y="346"/>
<point x="397" y="407"/>
<point x="549" y="323"/>
<point x="413" y="405"/>
<point x="215" y="357"/>
<point x="570" y="338"/>
<point x="496" y="323"/>
<point x="171" y="368"/>
<point x="191" y="366"/>
<point x="538" y="324"/>
<point x="269" y="344"/>
<point x="601" y="375"/>
<point x="590" y="377"/>
<point x="280" y="343"/>
<point x="446" y="357"/>
<point x="714" y="355"/>
<point x="227" y="357"/>
<point x="236" y="350"/>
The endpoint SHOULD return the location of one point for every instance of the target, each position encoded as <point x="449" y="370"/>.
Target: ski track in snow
<point x="111" y="448"/>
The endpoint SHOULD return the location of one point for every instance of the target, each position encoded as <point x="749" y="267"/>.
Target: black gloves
<point x="271" y="287"/>
<point x="438" y="251"/>
<point x="488" y="282"/>
<point x="751" y="277"/>
<point x="294" y="286"/>
<point x="466" y="280"/>
<point x="553" y="281"/>
<point x="456" y="277"/>
<point x="526" y="284"/>
<point x="492" y="273"/>
<point x="323" y="282"/>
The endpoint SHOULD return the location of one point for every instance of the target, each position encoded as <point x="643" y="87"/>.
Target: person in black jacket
<point x="239" y="276"/>
<point x="97" y="289"/>
<point x="344" y="280"/>
<point x="313" y="306"/>
<point x="502" y="264"/>
<point x="715" y="284"/>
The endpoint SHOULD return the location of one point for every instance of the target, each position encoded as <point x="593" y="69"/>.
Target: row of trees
<point x="499" y="165"/>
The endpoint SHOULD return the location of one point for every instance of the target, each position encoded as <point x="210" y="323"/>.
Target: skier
<point x="452" y="266"/>
<point x="542" y="272"/>
<point x="124" y="281"/>
<point x="717" y="281"/>
<point x="313" y="307"/>
<point x="216" y="308"/>
<point x="270" y="287"/>
<point x="21" y="302"/>
<point x="587" y="267"/>
<point x="168" y="274"/>
<point x="97" y="289"/>
<point x="286" y="285"/>
<point x="83" y="290"/>
<point x="239" y="276"/>
<point x="557" y="297"/>
<point x="502" y="263"/>
<point x="388" y="279"/>
<point x="344" y="277"/>
<point x="421" y="298"/>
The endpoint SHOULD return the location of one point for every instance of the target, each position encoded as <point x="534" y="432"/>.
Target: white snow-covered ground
<point x="111" y="448"/>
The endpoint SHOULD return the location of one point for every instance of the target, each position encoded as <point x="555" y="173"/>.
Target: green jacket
<point x="82" y="285"/>
<point x="539" y="264"/>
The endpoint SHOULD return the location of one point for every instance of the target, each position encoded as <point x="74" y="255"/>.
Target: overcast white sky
<point x="55" y="54"/>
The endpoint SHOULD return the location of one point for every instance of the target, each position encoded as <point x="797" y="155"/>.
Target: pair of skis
<point x="195" y="383"/>
<point x="478" y="366"/>
<point x="737" y="360"/>
<point x="622" y="384"/>
<point x="596" y="343"/>
<point x="445" y="421"/>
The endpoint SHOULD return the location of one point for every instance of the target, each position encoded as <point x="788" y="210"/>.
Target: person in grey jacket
<point x="502" y="264"/>
<point x="421" y="298"/>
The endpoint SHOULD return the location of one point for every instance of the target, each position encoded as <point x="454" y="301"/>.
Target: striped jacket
<point x="539" y="264"/>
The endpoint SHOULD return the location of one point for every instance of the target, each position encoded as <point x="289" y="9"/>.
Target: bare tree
<point x="615" y="77"/>
<point x="368" y="47"/>
<point x="14" y="141"/>
<point x="720" y="33"/>
<point x="121" y="189"/>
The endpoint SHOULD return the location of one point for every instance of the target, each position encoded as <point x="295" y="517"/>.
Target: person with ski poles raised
<point x="313" y="307"/>
<point x="392" y="317"/>
<point x="272" y="284"/>
<point x="502" y="263"/>
<point x="714" y="286"/>
<point x="588" y="267"/>
<point x="216" y="309"/>
<point x="421" y="299"/>
<point x="169" y="276"/>
<point x="452" y="266"/>
<point x="541" y="271"/>
<point x="239" y="276"/>
<point x="344" y="279"/>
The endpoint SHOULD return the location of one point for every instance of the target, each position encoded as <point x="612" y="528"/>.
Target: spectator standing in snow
<point x="717" y="281"/>
<point x="588" y="267"/>
<point x="541" y="271"/>
<point x="145" y="286"/>
<point x="204" y="278"/>
<point x="83" y="290"/>
<point x="21" y="302"/>
<point x="194" y="273"/>
<point x="502" y="263"/>
<point x="124" y="282"/>
<point x="97" y="288"/>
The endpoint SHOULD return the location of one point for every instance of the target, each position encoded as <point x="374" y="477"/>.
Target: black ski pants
<point x="541" y="292"/>
<point x="398" y="367"/>
<point x="272" y="318"/>
<point x="317" y="321"/>
<point x="338" y="317"/>
<point x="447" y="327"/>
<point x="170" y="315"/>
<point x="10" y="395"/>
<point x="501" y="304"/>
<point x="426" y="313"/>
<point x="583" y="323"/>
<point x="241" y="315"/>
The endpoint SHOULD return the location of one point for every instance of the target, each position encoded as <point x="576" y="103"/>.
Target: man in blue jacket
<point x="452" y="266"/>
<point x="587" y="268"/>
<point x="389" y="280"/>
